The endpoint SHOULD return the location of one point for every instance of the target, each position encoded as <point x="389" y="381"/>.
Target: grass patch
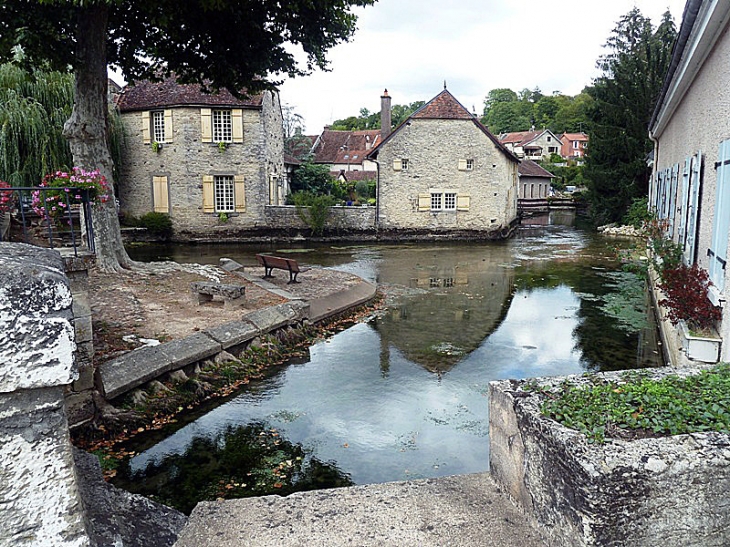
<point x="638" y="406"/>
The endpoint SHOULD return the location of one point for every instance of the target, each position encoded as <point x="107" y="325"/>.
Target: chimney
<point x="385" y="114"/>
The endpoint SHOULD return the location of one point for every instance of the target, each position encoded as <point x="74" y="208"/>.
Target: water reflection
<point x="404" y="396"/>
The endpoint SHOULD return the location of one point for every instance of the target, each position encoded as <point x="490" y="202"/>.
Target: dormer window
<point x="222" y="126"/>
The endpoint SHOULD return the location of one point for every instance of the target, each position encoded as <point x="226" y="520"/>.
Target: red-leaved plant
<point x="6" y="198"/>
<point x="685" y="288"/>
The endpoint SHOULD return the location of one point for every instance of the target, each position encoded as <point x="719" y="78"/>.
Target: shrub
<point x="638" y="214"/>
<point x="686" y="299"/>
<point x="313" y="210"/>
<point x="158" y="224"/>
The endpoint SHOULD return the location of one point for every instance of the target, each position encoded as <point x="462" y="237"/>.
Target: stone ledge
<point x="669" y="491"/>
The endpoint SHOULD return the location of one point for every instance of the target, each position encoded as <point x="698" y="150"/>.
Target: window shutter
<point x="237" y="124"/>
<point x="168" y="126"/>
<point x="208" y="194"/>
<point x="694" y="199"/>
<point x="206" y="124"/>
<point x="146" y="127"/>
<point x="672" y="212"/>
<point x="424" y="202"/>
<point x="239" y="193"/>
<point x="721" y="221"/>
<point x="397" y="165"/>
<point x="160" y="195"/>
<point x="462" y="165"/>
<point x="462" y="202"/>
<point x="684" y="204"/>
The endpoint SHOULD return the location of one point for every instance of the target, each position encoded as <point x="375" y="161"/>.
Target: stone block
<point x="232" y="333"/>
<point x="275" y="317"/>
<point x="83" y="329"/>
<point x="38" y="492"/>
<point x="132" y="369"/>
<point x="85" y="381"/>
<point x="669" y="491"/>
<point x="79" y="408"/>
<point x="190" y="349"/>
<point x="36" y="299"/>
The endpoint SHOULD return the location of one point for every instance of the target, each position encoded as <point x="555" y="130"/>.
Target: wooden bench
<point x="274" y="262"/>
<point x="204" y="291"/>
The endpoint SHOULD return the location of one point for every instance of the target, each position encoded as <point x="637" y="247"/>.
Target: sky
<point x="411" y="47"/>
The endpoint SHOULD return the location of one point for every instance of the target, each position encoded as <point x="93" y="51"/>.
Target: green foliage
<point x="371" y="120"/>
<point x="158" y="224"/>
<point x="670" y="406"/>
<point x="314" y="210"/>
<point x="624" y="99"/>
<point x="312" y="178"/>
<point x="638" y="214"/>
<point x="505" y="111"/>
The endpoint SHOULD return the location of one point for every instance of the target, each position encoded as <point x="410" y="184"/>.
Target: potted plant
<point x="66" y="190"/>
<point x="222" y="146"/>
<point x="6" y="202"/>
<point x="156" y="146"/>
<point x="688" y="307"/>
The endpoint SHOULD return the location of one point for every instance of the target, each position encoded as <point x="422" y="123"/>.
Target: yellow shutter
<point x="146" y="126"/>
<point x="208" y="194"/>
<point x="206" y="124"/>
<point x="424" y="202"/>
<point x="160" y="193"/>
<point x="462" y="202"/>
<point x="462" y="165"/>
<point x="237" y="123"/>
<point x="168" y="125"/>
<point x="397" y="165"/>
<point x="239" y="193"/>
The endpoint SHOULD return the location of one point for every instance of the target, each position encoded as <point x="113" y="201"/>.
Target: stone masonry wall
<point x="358" y="219"/>
<point x="38" y="491"/>
<point x="186" y="159"/>
<point x="433" y="149"/>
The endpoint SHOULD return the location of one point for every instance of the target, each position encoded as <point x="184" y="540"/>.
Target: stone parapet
<point x="669" y="491"/>
<point x="38" y="492"/>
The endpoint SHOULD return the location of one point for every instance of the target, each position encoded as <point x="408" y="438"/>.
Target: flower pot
<point x="700" y="348"/>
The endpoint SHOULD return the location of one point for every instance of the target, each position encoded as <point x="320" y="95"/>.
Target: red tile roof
<point x="520" y="138"/>
<point x="528" y="168"/>
<point x="443" y="106"/>
<point x="345" y="146"/>
<point x="354" y="176"/>
<point x="144" y="95"/>
<point x="574" y="136"/>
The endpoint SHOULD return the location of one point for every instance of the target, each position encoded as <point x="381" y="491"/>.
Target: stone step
<point x="459" y="511"/>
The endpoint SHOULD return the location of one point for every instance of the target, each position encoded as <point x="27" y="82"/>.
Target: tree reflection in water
<point x="251" y="460"/>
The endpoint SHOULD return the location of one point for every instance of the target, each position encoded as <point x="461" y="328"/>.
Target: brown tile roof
<point x="354" y="176"/>
<point x="146" y="94"/>
<point x="574" y="136"/>
<point x="345" y="146"/>
<point x="528" y="168"/>
<point x="520" y="138"/>
<point x="443" y="106"/>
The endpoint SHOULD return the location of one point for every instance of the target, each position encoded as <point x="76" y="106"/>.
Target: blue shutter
<point x="721" y="221"/>
<point x="684" y="203"/>
<point x="693" y="201"/>
<point x="672" y="210"/>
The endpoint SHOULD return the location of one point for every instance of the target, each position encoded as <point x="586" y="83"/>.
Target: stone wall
<point x="38" y="491"/>
<point x="433" y="149"/>
<point x="669" y="491"/>
<point x="348" y="219"/>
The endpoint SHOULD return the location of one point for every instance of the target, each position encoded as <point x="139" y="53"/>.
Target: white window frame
<point x="449" y="201"/>
<point x="437" y="200"/>
<point x="222" y="125"/>
<point x="157" y="125"/>
<point x="469" y="164"/>
<point x="224" y="197"/>
<point x="404" y="164"/>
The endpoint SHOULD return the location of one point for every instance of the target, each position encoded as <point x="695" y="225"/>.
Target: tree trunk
<point x="86" y="131"/>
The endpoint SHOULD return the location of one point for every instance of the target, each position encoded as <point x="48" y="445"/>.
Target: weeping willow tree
<point x="34" y="105"/>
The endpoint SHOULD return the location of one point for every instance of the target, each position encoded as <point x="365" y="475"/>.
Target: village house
<point x="690" y="188"/>
<point x="208" y="160"/>
<point x="535" y="181"/>
<point x="532" y="145"/>
<point x="574" y="146"/>
<point x="442" y="171"/>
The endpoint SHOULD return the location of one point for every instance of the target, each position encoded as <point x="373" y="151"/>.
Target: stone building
<point x="535" y="181"/>
<point x="443" y="171"/>
<point x="690" y="186"/>
<point x="212" y="161"/>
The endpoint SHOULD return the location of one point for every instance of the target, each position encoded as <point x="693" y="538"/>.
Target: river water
<point x="404" y="395"/>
